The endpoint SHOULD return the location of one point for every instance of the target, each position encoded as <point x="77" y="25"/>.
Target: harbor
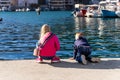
<point x="20" y="31"/>
<point x="104" y="9"/>
<point x="20" y="24"/>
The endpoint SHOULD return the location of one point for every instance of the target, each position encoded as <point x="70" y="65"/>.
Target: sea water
<point x="19" y="32"/>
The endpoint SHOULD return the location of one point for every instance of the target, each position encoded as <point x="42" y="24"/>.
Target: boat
<point x="92" y="11"/>
<point x="79" y="11"/>
<point x="109" y="8"/>
<point x="76" y="12"/>
<point x="86" y="11"/>
<point x="108" y="13"/>
<point x="118" y="9"/>
<point x="117" y="13"/>
<point x="27" y="9"/>
<point x="4" y="9"/>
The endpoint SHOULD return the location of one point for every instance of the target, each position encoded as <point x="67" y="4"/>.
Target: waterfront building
<point x="14" y="2"/>
<point x="5" y="5"/>
<point x="26" y="3"/>
<point x="69" y="4"/>
<point x="14" y="5"/>
<point x="23" y="5"/>
<point x="60" y="4"/>
<point x="82" y="1"/>
<point x="42" y="2"/>
<point x="45" y="4"/>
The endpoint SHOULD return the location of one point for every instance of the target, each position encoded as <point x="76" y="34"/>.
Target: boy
<point x="82" y="49"/>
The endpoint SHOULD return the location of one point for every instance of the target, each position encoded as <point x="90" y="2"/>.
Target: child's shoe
<point x="55" y="59"/>
<point x="39" y="60"/>
<point x="95" y="60"/>
<point x="71" y="58"/>
<point x="83" y="59"/>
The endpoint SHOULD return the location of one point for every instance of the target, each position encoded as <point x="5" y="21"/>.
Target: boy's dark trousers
<point x="82" y="50"/>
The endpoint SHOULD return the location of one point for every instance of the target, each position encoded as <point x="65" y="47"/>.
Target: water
<point x="19" y="31"/>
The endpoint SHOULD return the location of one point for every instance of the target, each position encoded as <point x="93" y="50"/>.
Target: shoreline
<point x="107" y="69"/>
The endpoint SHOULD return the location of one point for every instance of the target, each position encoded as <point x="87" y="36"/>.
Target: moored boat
<point x="117" y="13"/>
<point x="109" y="8"/>
<point x="108" y="13"/>
<point x="92" y="11"/>
<point x="79" y="11"/>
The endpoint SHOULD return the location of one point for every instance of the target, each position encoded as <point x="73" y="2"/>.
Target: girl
<point x="47" y="45"/>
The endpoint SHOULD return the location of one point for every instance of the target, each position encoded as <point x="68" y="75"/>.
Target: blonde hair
<point x="44" y="29"/>
<point x="78" y="34"/>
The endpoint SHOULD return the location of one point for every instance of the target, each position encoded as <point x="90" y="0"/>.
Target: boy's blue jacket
<point x="81" y="41"/>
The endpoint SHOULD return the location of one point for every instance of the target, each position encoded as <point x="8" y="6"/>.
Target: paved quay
<point x="107" y="69"/>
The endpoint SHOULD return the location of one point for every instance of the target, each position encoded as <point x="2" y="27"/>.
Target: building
<point x="60" y="4"/>
<point x="5" y="4"/>
<point x="26" y="3"/>
<point x="56" y="4"/>
<point x="82" y="1"/>
<point x="14" y="2"/>
<point x="69" y="4"/>
<point x="42" y="2"/>
<point x="45" y="4"/>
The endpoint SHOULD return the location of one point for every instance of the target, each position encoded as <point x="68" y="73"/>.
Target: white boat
<point x="88" y="11"/>
<point x="4" y="9"/>
<point x="109" y="8"/>
<point x="118" y="10"/>
<point x="77" y="13"/>
<point x="105" y="9"/>
<point x="80" y="10"/>
<point x="22" y="10"/>
<point x="80" y="13"/>
<point x="92" y="11"/>
<point x="27" y="9"/>
<point x="117" y="13"/>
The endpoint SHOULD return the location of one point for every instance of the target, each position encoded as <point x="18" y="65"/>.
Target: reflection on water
<point x="19" y="33"/>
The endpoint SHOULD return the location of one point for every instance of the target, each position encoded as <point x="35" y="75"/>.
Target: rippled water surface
<point x="19" y="31"/>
